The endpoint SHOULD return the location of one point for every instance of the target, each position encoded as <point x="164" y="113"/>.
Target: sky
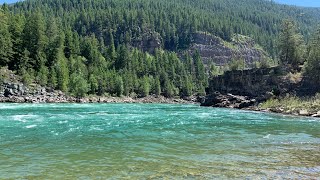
<point x="306" y="3"/>
<point x="7" y="1"/>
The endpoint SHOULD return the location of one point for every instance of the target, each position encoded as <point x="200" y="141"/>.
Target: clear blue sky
<point x="8" y="1"/>
<point x="306" y="3"/>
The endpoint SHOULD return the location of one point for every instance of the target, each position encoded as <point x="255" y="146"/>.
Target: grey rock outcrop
<point x="227" y="101"/>
<point x="214" y="49"/>
<point x="19" y="93"/>
<point x="148" y="42"/>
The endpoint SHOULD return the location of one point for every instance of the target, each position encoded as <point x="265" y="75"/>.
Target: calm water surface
<point x="143" y="141"/>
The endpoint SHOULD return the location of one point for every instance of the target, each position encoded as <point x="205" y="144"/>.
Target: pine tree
<point x="291" y="45"/>
<point x="62" y="71"/>
<point x="112" y="49"/>
<point x="313" y="61"/>
<point x="145" y="86"/>
<point x="78" y="85"/>
<point x="119" y="86"/>
<point x="5" y="40"/>
<point x="187" y="87"/>
<point x="35" y="40"/>
<point x="93" y="84"/>
<point x="16" y="29"/>
<point x="157" y="86"/>
<point x="52" y="80"/>
<point x="200" y="74"/>
<point x="42" y="77"/>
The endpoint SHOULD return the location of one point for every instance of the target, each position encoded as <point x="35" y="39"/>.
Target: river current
<point x="154" y="141"/>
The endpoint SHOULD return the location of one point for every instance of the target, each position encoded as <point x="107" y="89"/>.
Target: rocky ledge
<point x="228" y="101"/>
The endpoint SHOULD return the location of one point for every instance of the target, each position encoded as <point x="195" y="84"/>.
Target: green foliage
<point x="291" y="45"/>
<point x="145" y="86"/>
<point x="35" y="40"/>
<point x="5" y="39"/>
<point x="78" y="85"/>
<point x="175" y="21"/>
<point x="92" y="41"/>
<point x="214" y="70"/>
<point x="93" y="84"/>
<point x="62" y="72"/>
<point x="42" y="77"/>
<point x="312" y="67"/>
<point x="157" y="87"/>
<point x="187" y="87"/>
<point x="26" y="77"/>
<point x="264" y="63"/>
<point x="52" y="81"/>
<point x="119" y="86"/>
<point x="236" y="65"/>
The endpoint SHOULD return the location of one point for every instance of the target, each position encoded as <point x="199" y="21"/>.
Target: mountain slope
<point x="177" y="20"/>
<point x="101" y="46"/>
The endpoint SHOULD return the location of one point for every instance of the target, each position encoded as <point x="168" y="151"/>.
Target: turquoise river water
<point x="154" y="141"/>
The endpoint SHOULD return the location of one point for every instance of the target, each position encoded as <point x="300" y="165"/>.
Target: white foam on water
<point x="267" y="136"/>
<point x="27" y="117"/>
<point x="31" y="126"/>
<point x="63" y="122"/>
<point x="6" y="107"/>
<point x="19" y="118"/>
<point x="73" y="129"/>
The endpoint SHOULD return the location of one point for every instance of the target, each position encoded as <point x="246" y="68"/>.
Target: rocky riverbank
<point x="282" y="110"/>
<point x="19" y="93"/>
<point x="220" y="100"/>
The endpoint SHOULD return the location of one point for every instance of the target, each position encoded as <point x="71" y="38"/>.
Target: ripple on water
<point x="31" y="126"/>
<point x="26" y="118"/>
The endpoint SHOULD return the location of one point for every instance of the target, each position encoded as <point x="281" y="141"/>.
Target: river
<point x="154" y="141"/>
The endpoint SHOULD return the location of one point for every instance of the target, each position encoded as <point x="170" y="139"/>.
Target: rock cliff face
<point x="214" y="49"/>
<point x="149" y="42"/>
<point x="252" y="82"/>
<point x="253" y="86"/>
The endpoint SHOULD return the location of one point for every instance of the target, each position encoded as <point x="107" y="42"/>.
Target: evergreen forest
<point x="86" y="47"/>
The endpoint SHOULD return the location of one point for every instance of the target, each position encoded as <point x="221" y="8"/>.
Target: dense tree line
<point x="312" y="67"/>
<point x="175" y="21"/>
<point x="296" y="53"/>
<point x="60" y="58"/>
<point x="87" y="47"/>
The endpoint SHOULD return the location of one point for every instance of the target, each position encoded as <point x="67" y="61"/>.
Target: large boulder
<point x="217" y="99"/>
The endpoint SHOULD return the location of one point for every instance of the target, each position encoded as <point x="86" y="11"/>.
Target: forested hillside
<point x="94" y="46"/>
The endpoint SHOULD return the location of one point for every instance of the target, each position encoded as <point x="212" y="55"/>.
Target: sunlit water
<point x="144" y="141"/>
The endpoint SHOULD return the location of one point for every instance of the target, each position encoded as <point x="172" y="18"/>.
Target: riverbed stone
<point x="304" y="112"/>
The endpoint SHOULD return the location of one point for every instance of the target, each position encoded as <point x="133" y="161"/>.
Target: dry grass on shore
<point x="294" y="104"/>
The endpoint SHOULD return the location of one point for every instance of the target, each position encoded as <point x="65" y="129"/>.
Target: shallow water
<point x="154" y="141"/>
